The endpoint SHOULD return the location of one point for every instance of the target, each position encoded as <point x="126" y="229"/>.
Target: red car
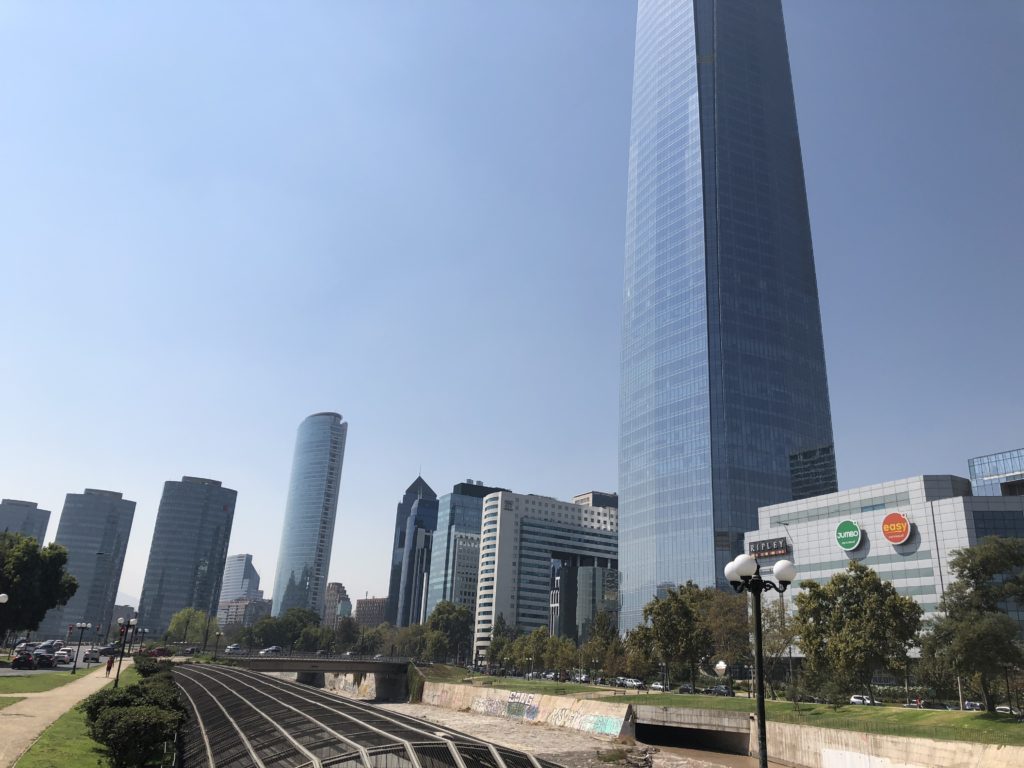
<point x="159" y="652"/>
<point x="23" y="661"/>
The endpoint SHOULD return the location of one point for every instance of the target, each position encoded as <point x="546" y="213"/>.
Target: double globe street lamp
<point x="744" y="574"/>
<point x="81" y="626"/>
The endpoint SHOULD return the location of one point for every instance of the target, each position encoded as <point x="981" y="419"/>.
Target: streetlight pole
<point x="81" y="626"/>
<point x="744" y="574"/>
<point x="4" y="599"/>
<point x="124" y="636"/>
<point x="216" y="644"/>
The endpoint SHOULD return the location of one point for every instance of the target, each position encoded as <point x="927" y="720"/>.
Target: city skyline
<point x="483" y="210"/>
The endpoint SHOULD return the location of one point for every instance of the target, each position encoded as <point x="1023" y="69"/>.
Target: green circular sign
<point x="848" y="535"/>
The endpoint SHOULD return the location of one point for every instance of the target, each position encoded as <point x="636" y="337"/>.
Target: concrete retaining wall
<point x="804" y="746"/>
<point x="595" y="717"/>
<point x="685" y="717"/>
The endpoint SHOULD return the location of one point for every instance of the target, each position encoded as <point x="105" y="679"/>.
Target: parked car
<point x="23" y="661"/>
<point x="686" y="688"/>
<point x="858" y="699"/>
<point x="1005" y="710"/>
<point x="45" y="661"/>
<point x="974" y="706"/>
<point x="63" y="656"/>
<point x="25" y="647"/>
<point x="91" y="654"/>
<point x="272" y="650"/>
<point x="657" y="686"/>
<point x="722" y="690"/>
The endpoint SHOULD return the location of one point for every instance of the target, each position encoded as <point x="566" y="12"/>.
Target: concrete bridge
<point x="339" y="665"/>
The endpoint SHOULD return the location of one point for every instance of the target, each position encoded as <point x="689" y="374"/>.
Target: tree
<point x="34" y="579"/>
<point x="854" y="626"/>
<point x="455" y="622"/>
<point x="975" y="636"/>
<point x="502" y="637"/>
<point x="346" y="633"/>
<point x="724" y="616"/>
<point x="778" y="635"/>
<point x="680" y="633"/>
<point x="189" y="625"/>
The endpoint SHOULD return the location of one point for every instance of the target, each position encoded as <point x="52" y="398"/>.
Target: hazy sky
<point x="216" y="219"/>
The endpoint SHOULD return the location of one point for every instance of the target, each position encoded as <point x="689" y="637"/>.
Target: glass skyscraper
<point x="241" y="579"/>
<point x="723" y="366"/>
<point x="24" y="517"/>
<point x="998" y="474"/>
<point x="418" y="490"/>
<point x="189" y="549"/>
<point x="310" y="514"/>
<point x="94" y="527"/>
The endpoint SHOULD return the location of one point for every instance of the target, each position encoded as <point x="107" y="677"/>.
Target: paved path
<point x="22" y="723"/>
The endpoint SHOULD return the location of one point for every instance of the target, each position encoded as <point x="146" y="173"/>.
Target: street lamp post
<point x="124" y="636"/>
<point x="4" y="599"/>
<point x="216" y="643"/>
<point x="744" y="574"/>
<point x="81" y="626"/>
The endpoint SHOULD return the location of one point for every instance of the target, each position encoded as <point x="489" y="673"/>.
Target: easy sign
<point x="896" y="528"/>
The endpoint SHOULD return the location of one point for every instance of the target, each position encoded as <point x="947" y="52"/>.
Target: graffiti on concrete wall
<point x="583" y="721"/>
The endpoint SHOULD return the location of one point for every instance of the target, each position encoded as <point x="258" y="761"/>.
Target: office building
<point x="597" y="499"/>
<point x="998" y="474"/>
<point x="419" y="537"/>
<point x="905" y="530"/>
<point x="243" y="610"/>
<point x="188" y="551"/>
<point x="415" y="492"/>
<point x="310" y="514"/>
<point x="371" y="612"/>
<point x="94" y="528"/>
<point x="336" y="604"/>
<point x="521" y="538"/>
<point x="24" y="517"/>
<point x="241" y="580"/>
<point x="578" y="594"/>
<point x="722" y="364"/>
<point x="455" y="552"/>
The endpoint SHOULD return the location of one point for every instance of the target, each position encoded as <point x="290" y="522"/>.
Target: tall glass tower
<point x="189" y="548"/>
<point x="723" y="389"/>
<point x="310" y="514"/>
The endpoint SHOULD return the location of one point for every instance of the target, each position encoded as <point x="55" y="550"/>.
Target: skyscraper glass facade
<point x="190" y="546"/>
<point x="998" y="474"/>
<point x="418" y="490"/>
<point x="241" y="579"/>
<point x="723" y="367"/>
<point x="94" y="527"/>
<point x="24" y="517"/>
<point x="455" y="553"/>
<point x="310" y="514"/>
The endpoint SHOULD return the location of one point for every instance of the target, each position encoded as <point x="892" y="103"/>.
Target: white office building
<point x="521" y="537"/>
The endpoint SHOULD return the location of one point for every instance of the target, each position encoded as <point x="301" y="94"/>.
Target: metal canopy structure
<point x="247" y="720"/>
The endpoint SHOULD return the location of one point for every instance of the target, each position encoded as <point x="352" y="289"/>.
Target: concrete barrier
<point x="804" y="746"/>
<point x="702" y="719"/>
<point x="594" y="717"/>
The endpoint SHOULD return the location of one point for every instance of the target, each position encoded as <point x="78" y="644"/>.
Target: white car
<point x="91" y="654"/>
<point x="63" y="656"/>
<point x="234" y="650"/>
<point x="657" y="686"/>
<point x="858" y="699"/>
<point x="1005" y="710"/>
<point x="273" y="650"/>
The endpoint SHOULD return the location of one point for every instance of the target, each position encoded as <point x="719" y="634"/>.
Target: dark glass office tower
<point x="190" y="546"/>
<point x="24" y="517"/>
<point x="309" y="517"/>
<point x="418" y="490"/>
<point x="723" y="366"/>
<point x="94" y="526"/>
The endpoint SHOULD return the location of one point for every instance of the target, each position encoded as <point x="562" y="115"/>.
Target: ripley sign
<point x="769" y="547"/>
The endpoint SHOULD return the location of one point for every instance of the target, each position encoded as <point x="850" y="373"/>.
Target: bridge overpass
<point x="309" y="662"/>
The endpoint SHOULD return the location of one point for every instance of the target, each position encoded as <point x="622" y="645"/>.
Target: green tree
<point x="640" y="653"/>
<point x="724" y="616"/>
<point x="34" y="579"/>
<point x="778" y="636"/>
<point x="680" y="633"/>
<point x="346" y="633"/>
<point x="503" y="636"/>
<point x="455" y="622"/>
<point x="854" y="626"/>
<point x="189" y="625"/>
<point x="974" y="635"/>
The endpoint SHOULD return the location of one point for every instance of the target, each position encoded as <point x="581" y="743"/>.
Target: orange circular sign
<point x="896" y="528"/>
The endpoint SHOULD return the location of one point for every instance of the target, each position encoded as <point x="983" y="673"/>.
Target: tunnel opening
<point x="728" y="742"/>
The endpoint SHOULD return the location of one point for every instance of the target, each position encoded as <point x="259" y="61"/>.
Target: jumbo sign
<point x="896" y="528"/>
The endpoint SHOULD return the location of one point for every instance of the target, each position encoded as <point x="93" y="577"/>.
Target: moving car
<point x="1005" y="710"/>
<point x="91" y="654"/>
<point x="859" y="699"/>
<point x="658" y="686"/>
<point x="234" y="650"/>
<point x="722" y="690"/>
<point x="108" y="650"/>
<point x="272" y="650"/>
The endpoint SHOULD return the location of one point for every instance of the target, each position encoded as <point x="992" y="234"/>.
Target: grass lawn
<point x="6" y="701"/>
<point x="66" y="743"/>
<point x="444" y="673"/>
<point x="984" y="727"/>
<point x="447" y="673"/>
<point x="37" y="683"/>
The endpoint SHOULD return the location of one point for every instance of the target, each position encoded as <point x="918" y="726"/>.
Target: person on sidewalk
<point x="110" y="665"/>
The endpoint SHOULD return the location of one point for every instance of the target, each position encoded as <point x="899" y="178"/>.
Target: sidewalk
<point x="22" y="723"/>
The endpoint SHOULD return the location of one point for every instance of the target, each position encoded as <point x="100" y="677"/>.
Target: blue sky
<point x="215" y="221"/>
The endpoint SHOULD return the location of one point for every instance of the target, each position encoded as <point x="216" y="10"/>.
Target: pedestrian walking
<point x="110" y="665"/>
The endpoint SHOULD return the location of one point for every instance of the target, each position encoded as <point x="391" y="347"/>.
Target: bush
<point x="147" y="666"/>
<point x="133" y="735"/>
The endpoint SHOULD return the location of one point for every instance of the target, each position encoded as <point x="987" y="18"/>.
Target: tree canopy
<point x="34" y="579"/>
<point x="189" y="625"/>
<point x="855" y="625"/>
